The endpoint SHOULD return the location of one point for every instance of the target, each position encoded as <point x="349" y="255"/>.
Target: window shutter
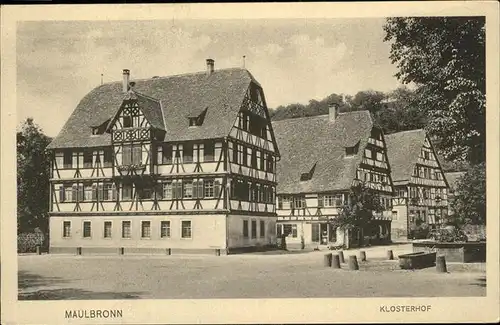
<point x="114" y="192"/>
<point x="80" y="193"/>
<point x="94" y="192"/>
<point x="195" y="189"/>
<point x="75" y="192"/>
<point x="61" y="194"/>
<point x="320" y="201"/>
<point x="179" y="190"/>
<point x="101" y="192"/>
<point x="201" y="193"/>
<point x="217" y="188"/>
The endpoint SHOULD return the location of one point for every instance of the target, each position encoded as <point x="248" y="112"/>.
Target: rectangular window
<point x="235" y="153"/>
<point x="167" y="190"/>
<point x="187" y="153"/>
<point x="299" y="202"/>
<point x="186" y="229"/>
<point x="280" y="202"/>
<point x="66" y="229"/>
<point x="279" y="230"/>
<point x="394" y="215"/>
<point x="132" y="154"/>
<point x="107" y="229"/>
<point x="270" y="163"/>
<point x="68" y="159"/>
<point x="108" y="157"/>
<point x="87" y="231"/>
<point x="137" y="154"/>
<point x="108" y="192"/>
<point x="87" y="159"/>
<point x="209" y="151"/>
<point x="380" y="156"/>
<point x="245" y="228"/>
<point x="262" y="229"/>
<point x="88" y="192"/>
<point x="209" y="188"/>
<point x="368" y="153"/>
<point x="166" y="154"/>
<point x="290" y="230"/>
<point x="146" y="229"/>
<point x="187" y="189"/>
<point x="245" y="156"/>
<point x="165" y="229"/>
<point x="315" y="233"/>
<point x="126" y="229"/>
<point x="253" y="161"/>
<point x="146" y="193"/>
<point x="127" y="192"/>
<point x="127" y="121"/>
<point x="254" y="229"/>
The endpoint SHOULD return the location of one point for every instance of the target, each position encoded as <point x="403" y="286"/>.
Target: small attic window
<point x="351" y="151"/>
<point x="307" y="176"/>
<point x="100" y="129"/>
<point x="197" y="120"/>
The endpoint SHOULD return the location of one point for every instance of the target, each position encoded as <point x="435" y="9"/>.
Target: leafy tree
<point x="445" y="58"/>
<point x="33" y="168"/>
<point x="469" y="203"/>
<point x="369" y="100"/>
<point x="357" y="212"/>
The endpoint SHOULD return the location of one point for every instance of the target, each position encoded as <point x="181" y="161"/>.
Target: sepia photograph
<point x="272" y="158"/>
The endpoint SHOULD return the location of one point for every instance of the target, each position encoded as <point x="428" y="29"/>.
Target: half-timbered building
<point x="168" y="164"/>
<point x="420" y="186"/>
<point x="321" y="158"/>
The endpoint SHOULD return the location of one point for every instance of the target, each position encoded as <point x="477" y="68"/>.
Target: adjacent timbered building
<point x="168" y="164"/>
<point x="321" y="158"/>
<point x="420" y="187"/>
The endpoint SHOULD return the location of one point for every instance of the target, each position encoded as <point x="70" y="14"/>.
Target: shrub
<point x="27" y="242"/>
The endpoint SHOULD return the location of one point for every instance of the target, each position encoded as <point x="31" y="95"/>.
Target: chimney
<point x="333" y="112"/>
<point x="210" y="66"/>
<point x="126" y="79"/>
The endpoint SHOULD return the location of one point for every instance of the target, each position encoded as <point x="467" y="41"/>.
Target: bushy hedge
<point x="27" y="242"/>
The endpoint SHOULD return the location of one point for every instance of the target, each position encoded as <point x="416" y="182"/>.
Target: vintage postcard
<point x="250" y="163"/>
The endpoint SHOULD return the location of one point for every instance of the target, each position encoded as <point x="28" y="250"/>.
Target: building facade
<point x="183" y="163"/>
<point x="321" y="158"/>
<point x="420" y="186"/>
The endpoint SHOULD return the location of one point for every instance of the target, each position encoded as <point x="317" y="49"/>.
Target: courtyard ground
<point x="258" y="275"/>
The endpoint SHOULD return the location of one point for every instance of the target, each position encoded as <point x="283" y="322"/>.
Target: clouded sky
<point x="294" y="60"/>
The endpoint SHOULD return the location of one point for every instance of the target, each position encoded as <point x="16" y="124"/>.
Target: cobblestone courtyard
<point x="270" y="275"/>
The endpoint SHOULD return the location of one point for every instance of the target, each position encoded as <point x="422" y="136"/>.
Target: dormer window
<point x="351" y="151"/>
<point x="100" y="129"/>
<point x="308" y="175"/>
<point x="197" y="120"/>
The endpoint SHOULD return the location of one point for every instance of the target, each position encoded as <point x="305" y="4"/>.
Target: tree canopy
<point x="445" y="58"/>
<point x="469" y="202"/>
<point x="33" y="168"/>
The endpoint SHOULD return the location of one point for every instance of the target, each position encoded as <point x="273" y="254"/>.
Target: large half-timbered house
<point x="420" y="187"/>
<point x="321" y="158"/>
<point x="168" y="164"/>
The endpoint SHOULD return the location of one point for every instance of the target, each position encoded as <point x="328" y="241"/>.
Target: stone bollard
<point x="390" y="256"/>
<point x="353" y="263"/>
<point x="78" y="251"/>
<point x="121" y="251"/>
<point x="341" y="257"/>
<point x="327" y="260"/>
<point x="38" y="250"/>
<point x="335" y="261"/>
<point x="441" y="264"/>
<point x="362" y="256"/>
<point x="169" y="251"/>
<point x="217" y="252"/>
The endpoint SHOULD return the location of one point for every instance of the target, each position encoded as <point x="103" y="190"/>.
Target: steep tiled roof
<point x="307" y="141"/>
<point x="221" y="93"/>
<point x="403" y="150"/>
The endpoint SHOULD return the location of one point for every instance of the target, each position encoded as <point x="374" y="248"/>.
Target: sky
<point x="58" y="62"/>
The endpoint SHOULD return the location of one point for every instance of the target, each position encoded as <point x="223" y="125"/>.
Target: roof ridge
<point x="144" y="95"/>
<point x="300" y="118"/>
<point x="177" y="75"/>
<point x="405" y="131"/>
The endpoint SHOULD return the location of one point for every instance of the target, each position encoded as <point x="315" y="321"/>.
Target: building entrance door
<point x="324" y="233"/>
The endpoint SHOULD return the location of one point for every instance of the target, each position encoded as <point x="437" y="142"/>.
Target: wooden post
<point x="390" y="256"/>
<point x="362" y="256"/>
<point x="353" y="263"/>
<point x="38" y="250"/>
<point x="335" y="261"/>
<point x="327" y="260"/>
<point x="441" y="264"/>
<point x="341" y="257"/>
